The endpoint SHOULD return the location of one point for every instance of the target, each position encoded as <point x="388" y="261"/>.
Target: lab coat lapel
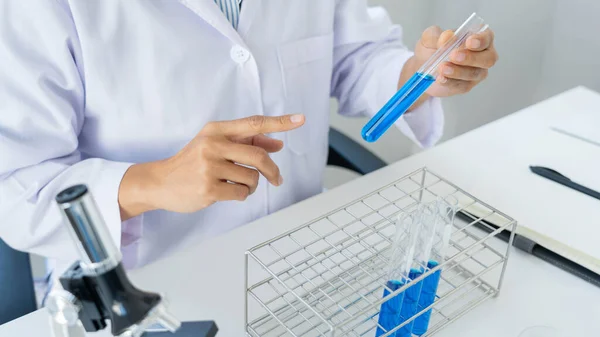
<point x="249" y="10"/>
<point x="211" y="13"/>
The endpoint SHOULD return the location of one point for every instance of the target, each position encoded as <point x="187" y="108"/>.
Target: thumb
<point x="430" y="37"/>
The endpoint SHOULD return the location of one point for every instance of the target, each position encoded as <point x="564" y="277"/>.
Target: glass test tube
<point x="433" y="255"/>
<point x="389" y="315"/>
<point x="420" y="81"/>
<point x="415" y="266"/>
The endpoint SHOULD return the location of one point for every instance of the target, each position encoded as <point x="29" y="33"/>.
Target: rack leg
<point x="508" y="248"/>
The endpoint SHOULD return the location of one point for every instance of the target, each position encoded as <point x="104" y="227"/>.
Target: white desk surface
<point x="207" y="281"/>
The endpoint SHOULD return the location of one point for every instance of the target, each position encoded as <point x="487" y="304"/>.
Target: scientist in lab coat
<point x="190" y="118"/>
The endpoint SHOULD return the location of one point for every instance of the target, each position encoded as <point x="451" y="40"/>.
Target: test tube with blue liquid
<point x="426" y="262"/>
<point x="416" y="86"/>
<point x="396" y="278"/>
<point x="414" y="269"/>
<point x="436" y="229"/>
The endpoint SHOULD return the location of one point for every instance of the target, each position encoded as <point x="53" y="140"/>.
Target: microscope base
<point x="189" y="329"/>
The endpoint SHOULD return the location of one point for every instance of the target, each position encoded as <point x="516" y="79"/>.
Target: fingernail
<point x="460" y="57"/>
<point x="449" y="71"/>
<point x="280" y="181"/>
<point x="297" y="118"/>
<point x="474" y="43"/>
<point x="443" y="79"/>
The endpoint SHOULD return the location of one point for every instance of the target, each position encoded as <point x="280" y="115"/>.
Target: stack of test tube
<point x="404" y="241"/>
<point x="326" y="276"/>
<point x="437" y="229"/>
<point x="419" y="246"/>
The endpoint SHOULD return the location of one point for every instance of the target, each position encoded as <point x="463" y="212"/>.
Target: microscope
<point x="96" y="288"/>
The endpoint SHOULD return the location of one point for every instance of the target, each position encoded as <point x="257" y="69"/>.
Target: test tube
<point x="427" y="233"/>
<point x="420" y="81"/>
<point x="389" y="314"/>
<point x="438" y="238"/>
<point x="414" y="268"/>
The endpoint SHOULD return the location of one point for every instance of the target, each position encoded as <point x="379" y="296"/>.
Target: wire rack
<point x="326" y="277"/>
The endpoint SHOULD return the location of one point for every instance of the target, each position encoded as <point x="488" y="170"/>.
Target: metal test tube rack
<point x="326" y="277"/>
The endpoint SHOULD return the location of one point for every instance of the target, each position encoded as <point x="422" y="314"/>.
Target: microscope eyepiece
<point x="71" y="194"/>
<point x="95" y="245"/>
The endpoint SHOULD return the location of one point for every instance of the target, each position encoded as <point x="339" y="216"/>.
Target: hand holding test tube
<point x="420" y="82"/>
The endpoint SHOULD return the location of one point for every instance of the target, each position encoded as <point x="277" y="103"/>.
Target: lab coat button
<point x="239" y="54"/>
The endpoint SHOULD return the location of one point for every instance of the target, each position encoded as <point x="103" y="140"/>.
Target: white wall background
<point x="545" y="47"/>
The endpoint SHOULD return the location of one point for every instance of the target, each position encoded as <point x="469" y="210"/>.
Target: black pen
<point x="561" y="179"/>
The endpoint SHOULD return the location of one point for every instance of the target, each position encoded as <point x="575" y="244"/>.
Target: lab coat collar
<point x="211" y="13"/>
<point x="249" y="10"/>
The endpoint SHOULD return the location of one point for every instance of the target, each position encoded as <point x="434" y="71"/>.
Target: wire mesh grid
<point x="326" y="277"/>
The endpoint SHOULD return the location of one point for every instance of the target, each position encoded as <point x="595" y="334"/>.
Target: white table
<point x="207" y="281"/>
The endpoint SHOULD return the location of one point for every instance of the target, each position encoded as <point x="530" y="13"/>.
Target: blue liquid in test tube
<point x="389" y="316"/>
<point x="420" y="82"/>
<point x="397" y="106"/>
<point x="410" y="304"/>
<point x="430" y="286"/>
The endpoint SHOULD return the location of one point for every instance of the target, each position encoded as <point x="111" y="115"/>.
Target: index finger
<point x="481" y="41"/>
<point x="254" y="125"/>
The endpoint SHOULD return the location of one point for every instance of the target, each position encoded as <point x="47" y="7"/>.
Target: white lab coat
<point x="87" y="88"/>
